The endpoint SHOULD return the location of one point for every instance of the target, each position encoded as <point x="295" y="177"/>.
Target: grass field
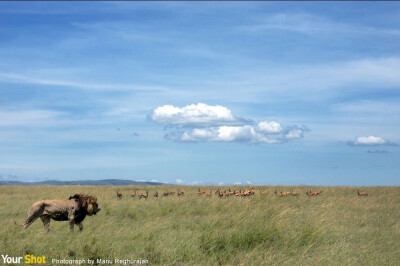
<point x="336" y="228"/>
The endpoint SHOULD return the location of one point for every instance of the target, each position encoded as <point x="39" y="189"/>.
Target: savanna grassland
<point x="336" y="228"/>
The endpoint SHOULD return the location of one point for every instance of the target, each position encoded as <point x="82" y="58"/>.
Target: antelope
<point x="246" y="194"/>
<point x="281" y="194"/>
<point x="119" y="194"/>
<point x="262" y="192"/>
<point x="229" y="192"/>
<point x="144" y="195"/>
<point x="221" y="194"/>
<point x="239" y="193"/>
<point x="251" y="191"/>
<point x="168" y="193"/>
<point x="208" y="193"/>
<point x="363" y="193"/>
<point x="294" y="193"/>
<point x="313" y="193"/>
<point x="156" y="194"/>
<point x="180" y="193"/>
<point x="133" y="194"/>
<point x="200" y="192"/>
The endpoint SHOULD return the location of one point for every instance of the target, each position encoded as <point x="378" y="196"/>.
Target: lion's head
<point x="87" y="202"/>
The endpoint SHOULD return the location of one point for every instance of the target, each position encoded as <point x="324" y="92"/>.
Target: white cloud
<point x="246" y="133"/>
<point x="370" y="141"/>
<point x="237" y="183"/>
<point x="193" y="114"/>
<point x="202" y="122"/>
<point x="179" y="181"/>
<point x="296" y="132"/>
<point x="269" y="127"/>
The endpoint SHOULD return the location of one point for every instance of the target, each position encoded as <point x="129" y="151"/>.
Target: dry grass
<point x="337" y="227"/>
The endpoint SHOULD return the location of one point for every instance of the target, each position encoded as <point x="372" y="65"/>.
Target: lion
<point x="73" y="210"/>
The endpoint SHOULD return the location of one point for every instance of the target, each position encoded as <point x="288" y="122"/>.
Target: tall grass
<point x="337" y="227"/>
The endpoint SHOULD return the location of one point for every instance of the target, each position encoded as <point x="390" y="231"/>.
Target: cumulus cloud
<point x="296" y="132"/>
<point x="200" y="113"/>
<point x="370" y="141"/>
<point x="244" y="133"/>
<point x="202" y="123"/>
<point x="271" y="127"/>
<point x="179" y="181"/>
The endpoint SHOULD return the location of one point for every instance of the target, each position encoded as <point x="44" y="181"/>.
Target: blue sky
<point x="200" y="92"/>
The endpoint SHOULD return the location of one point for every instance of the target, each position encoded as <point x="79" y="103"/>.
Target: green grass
<point x="335" y="228"/>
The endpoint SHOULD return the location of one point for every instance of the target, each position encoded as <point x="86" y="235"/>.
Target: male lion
<point x="73" y="210"/>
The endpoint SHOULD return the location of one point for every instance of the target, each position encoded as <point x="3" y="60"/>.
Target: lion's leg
<point x="71" y="219"/>
<point x="29" y="221"/>
<point x="46" y="222"/>
<point x="34" y="212"/>
<point x="80" y="225"/>
<point x="71" y="226"/>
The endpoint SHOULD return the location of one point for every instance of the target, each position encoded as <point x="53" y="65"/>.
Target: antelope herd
<point x="228" y="193"/>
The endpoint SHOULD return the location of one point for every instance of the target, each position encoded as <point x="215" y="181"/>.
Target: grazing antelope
<point x="229" y="193"/>
<point x="262" y="192"/>
<point x="208" y="193"/>
<point x="221" y="194"/>
<point x="363" y="193"/>
<point x="313" y="193"/>
<point x="144" y="195"/>
<point x="119" y="194"/>
<point x="156" y="194"/>
<point x="239" y="193"/>
<point x="133" y="194"/>
<point x="295" y="194"/>
<point x="180" y="193"/>
<point x="168" y="193"/>
<point x="281" y="194"/>
<point x="246" y="194"/>
<point x="251" y="191"/>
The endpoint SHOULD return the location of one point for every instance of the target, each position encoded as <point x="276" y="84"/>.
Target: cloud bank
<point x="370" y="141"/>
<point x="205" y="123"/>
